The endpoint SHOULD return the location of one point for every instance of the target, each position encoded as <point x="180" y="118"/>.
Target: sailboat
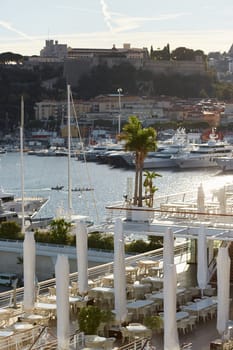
<point x="70" y="216"/>
<point x="33" y="205"/>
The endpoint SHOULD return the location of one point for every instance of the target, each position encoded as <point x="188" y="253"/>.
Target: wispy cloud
<point x="118" y="22"/>
<point x="126" y="23"/>
<point x="107" y="14"/>
<point x="8" y="26"/>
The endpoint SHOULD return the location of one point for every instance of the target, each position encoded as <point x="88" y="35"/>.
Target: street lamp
<point x="119" y="90"/>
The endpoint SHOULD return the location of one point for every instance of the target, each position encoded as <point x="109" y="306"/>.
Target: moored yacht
<point x="11" y="207"/>
<point x="204" y="155"/>
<point x="225" y="163"/>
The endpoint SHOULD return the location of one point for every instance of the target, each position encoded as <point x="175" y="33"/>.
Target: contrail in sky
<point x="106" y="14"/>
<point x="9" y="27"/>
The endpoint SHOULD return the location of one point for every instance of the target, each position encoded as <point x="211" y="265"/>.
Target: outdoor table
<point x="137" y="329"/>
<point x="140" y="289"/>
<point x="5" y="333"/>
<point x="72" y="299"/>
<point x="145" y="265"/>
<point x="33" y="318"/>
<point x="99" y="291"/>
<point x="94" y="341"/>
<point x="156" y="282"/>
<point x="156" y="270"/>
<point x="200" y="305"/>
<point x="103" y="293"/>
<point x="131" y="272"/>
<point x="5" y="315"/>
<point x="50" y="307"/>
<point x="5" y="312"/>
<point x="160" y="295"/>
<point x="138" y="304"/>
<point x="180" y="315"/>
<point x="22" y="326"/>
<point x="108" y="280"/>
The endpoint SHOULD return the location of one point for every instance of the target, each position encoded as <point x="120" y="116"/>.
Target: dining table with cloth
<point x="32" y="318"/>
<point x="200" y="305"/>
<point x="22" y="326"/>
<point x="73" y="300"/>
<point x="94" y="341"/>
<point x="5" y="315"/>
<point x="134" y="306"/>
<point x="156" y="282"/>
<point x="137" y="329"/>
<point x="180" y="315"/>
<point x="51" y="308"/>
<point x="145" y="265"/>
<point x="99" y="292"/>
<point x="6" y="333"/>
<point x="6" y="339"/>
<point x="160" y="295"/>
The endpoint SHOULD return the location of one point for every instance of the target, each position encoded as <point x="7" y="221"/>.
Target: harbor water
<point x="108" y="185"/>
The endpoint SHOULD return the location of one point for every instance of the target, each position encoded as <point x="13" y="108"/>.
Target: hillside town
<point x="102" y="111"/>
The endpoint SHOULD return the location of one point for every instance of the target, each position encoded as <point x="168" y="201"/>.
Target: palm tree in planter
<point x="140" y="141"/>
<point x="150" y="189"/>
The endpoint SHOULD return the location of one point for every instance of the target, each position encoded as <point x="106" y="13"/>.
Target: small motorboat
<point x="81" y="189"/>
<point x="57" y="188"/>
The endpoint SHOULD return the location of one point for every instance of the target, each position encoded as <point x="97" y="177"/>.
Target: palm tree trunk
<point x="141" y="162"/>
<point x="135" y="201"/>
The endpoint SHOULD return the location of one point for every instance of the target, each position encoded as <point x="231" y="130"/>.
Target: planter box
<point x="140" y="214"/>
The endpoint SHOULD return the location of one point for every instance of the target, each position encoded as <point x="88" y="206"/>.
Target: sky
<point x="205" y="25"/>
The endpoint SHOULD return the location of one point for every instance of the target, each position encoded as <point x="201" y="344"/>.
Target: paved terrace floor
<point x="200" y="337"/>
<point x="205" y="332"/>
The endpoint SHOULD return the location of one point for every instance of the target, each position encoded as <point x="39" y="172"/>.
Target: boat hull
<point x="226" y="164"/>
<point x="196" y="163"/>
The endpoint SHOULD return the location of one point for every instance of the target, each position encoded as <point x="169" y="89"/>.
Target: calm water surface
<point x="41" y="173"/>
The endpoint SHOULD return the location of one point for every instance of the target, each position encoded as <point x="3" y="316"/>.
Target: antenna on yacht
<point x="22" y="161"/>
<point x="69" y="158"/>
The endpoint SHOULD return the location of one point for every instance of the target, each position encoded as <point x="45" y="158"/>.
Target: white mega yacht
<point x="225" y="163"/>
<point x="204" y="155"/>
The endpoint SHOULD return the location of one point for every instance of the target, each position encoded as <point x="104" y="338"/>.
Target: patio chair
<point x="212" y="311"/>
<point x="101" y="329"/>
<point x="203" y="315"/>
<point x="148" y="333"/>
<point x="125" y="334"/>
<point x="192" y="322"/>
<point x="108" y="345"/>
<point x="182" y="326"/>
<point x="52" y="291"/>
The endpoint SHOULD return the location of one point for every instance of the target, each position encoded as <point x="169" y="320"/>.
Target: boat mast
<point x="69" y="158"/>
<point x="22" y="161"/>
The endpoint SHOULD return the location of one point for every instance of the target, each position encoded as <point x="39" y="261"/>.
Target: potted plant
<point x="150" y="189"/>
<point x="153" y="322"/>
<point x="140" y="141"/>
<point x="90" y="317"/>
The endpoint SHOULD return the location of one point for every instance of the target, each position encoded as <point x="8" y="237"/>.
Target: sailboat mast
<point x="69" y="158"/>
<point x="22" y="161"/>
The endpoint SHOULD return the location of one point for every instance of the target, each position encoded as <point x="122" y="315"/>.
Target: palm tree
<point x="150" y="189"/>
<point x="140" y="141"/>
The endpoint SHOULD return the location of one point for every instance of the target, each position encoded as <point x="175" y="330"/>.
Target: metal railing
<point x="15" y="296"/>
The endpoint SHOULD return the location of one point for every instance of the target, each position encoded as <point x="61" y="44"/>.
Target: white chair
<point x="101" y="329"/>
<point x="192" y="322"/>
<point x="125" y="334"/>
<point x="182" y="326"/>
<point x="108" y="345"/>
<point x="203" y="315"/>
<point x="212" y="311"/>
